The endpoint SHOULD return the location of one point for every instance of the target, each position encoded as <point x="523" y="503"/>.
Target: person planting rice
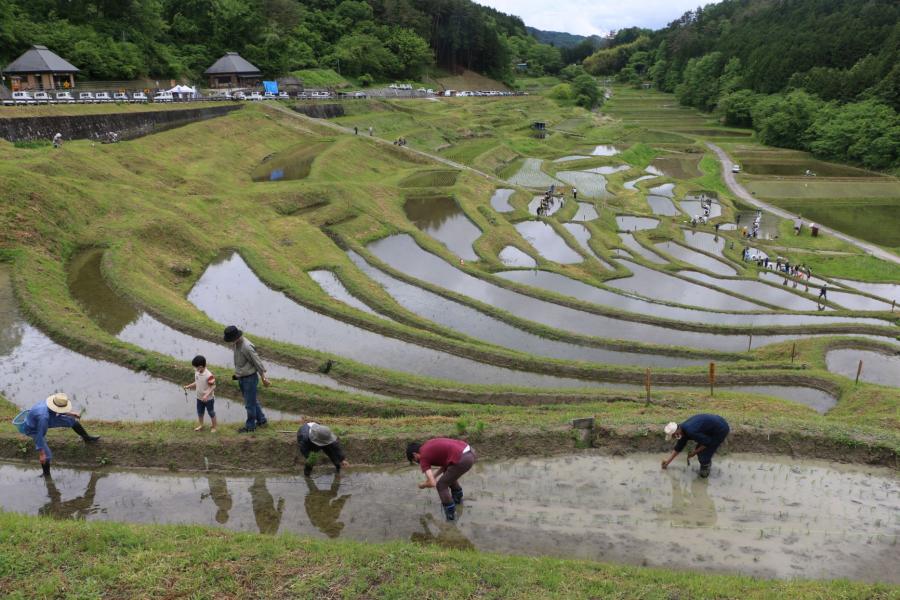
<point x="55" y="411"/>
<point x="706" y="430"/>
<point x="313" y="437"/>
<point x="454" y="457"/>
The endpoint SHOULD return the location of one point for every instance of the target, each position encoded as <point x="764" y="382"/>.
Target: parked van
<point x="163" y="97"/>
<point x="102" y="97"/>
<point x="320" y="95"/>
<point x="64" y="98"/>
<point x="139" y="97"/>
<point x="121" y="97"/>
<point x="43" y="97"/>
<point x="23" y="97"/>
<point x="85" y="97"/>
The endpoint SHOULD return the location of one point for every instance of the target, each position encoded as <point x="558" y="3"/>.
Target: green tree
<point x="736" y="108"/>
<point x="866" y="132"/>
<point x="786" y="120"/>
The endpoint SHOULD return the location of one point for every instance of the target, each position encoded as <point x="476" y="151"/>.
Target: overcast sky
<point x="587" y="17"/>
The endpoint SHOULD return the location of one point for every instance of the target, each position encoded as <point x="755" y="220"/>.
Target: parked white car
<point x="23" y="98"/>
<point x="121" y="97"/>
<point x="735" y="168"/>
<point x="102" y="97"/>
<point x="42" y="97"/>
<point x="255" y="96"/>
<point x="320" y="95"/>
<point x="139" y="97"/>
<point x="284" y="96"/>
<point x="239" y="96"/>
<point x="163" y="97"/>
<point x="85" y="97"/>
<point x="64" y="97"/>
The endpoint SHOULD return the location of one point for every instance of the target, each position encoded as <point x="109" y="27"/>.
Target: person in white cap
<point x="313" y="437"/>
<point x="55" y="411"/>
<point x="707" y="431"/>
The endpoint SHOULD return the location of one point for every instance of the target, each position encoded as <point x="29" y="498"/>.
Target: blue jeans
<point x="255" y="414"/>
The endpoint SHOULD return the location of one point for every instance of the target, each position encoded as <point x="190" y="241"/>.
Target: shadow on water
<point x="547" y="242"/>
<point x="443" y="219"/>
<point x="827" y="520"/>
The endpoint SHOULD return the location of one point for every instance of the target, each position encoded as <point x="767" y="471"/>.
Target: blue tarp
<point x="271" y="87"/>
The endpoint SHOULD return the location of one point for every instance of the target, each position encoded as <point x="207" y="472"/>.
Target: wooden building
<point x="40" y="69"/>
<point x="233" y="71"/>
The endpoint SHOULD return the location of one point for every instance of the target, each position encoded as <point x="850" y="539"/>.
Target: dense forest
<point x="126" y="39"/>
<point x="817" y="75"/>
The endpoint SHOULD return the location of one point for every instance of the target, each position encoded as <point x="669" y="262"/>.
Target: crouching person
<point x="312" y="437"/>
<point x="55" y="411"/>
<point x="454" y="457"/>
<point x="707" y="431"/>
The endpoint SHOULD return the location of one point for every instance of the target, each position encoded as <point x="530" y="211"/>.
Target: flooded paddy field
<point x="100" y="390"/>
<point x="582" y="234"/>
<point x="708" y="242"/>
<point x="661" y="205"/>
<point x="633" y="223"/>
<point x="585" y="212"/>
<point x="262" y="311"/>
<point x="609" y="169"/>
<point x="513" y="257"/>
<point x="756" y="515"/>
<point x="589" y="185"/>
<point x="758" y="291"/>
<point x="887" y="291"/>
<point x="547" y="242"/>
<point x="552" y="208"/>
<point x="883" y="369"/>
<point x="402" y="253"/>
<point x="605" y="150"/>
<point x="803" y="168"/>
<point x="697" y="259"/>
<point x="768" y="224"/>
<point x="531" y="175"/>
<point x="560" y="284"/>
<point x="444" y="220"/>
<point x="630" y="185"/>
<point x="500" y="200"/>
<point x="332" y="286"/>
<point x="476" y="324"/>
<point x="854" y="301"/>
<point x="693" y="206"/>
<point x="120" y="318"/>
<point x="637" y="248"/>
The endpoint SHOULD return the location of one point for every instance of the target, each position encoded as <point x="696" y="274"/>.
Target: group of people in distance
<point x="453" y="458"/>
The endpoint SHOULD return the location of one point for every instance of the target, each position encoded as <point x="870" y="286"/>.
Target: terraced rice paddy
<point x="531" y="175"/>
<point x="547" y="242"/>
<point x="444" y="220"/>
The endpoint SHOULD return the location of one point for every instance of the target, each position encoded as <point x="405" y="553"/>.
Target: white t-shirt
<point x="204" y="380"/>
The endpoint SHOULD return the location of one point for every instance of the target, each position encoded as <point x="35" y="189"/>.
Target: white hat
<point x="59" y="403"/>
<point x="670" y="430"/>
<point x="321" y="435"/>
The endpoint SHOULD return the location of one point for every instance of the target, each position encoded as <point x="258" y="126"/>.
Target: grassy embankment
<point x="153" y="243"/>
<point x="93" y="560"/>
<point x="71" y="110"/>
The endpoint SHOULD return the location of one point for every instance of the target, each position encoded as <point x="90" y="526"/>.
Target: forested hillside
<point x="124" y="39"/>
<point x="819" y="75"/>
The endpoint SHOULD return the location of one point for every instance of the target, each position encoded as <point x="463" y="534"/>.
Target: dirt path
<point x="744" y="195"/>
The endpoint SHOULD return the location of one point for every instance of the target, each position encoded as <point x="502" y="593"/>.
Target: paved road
<point x="747" y="197"/>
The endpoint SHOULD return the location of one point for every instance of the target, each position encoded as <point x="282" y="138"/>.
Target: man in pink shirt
<point x="454" y="457"/>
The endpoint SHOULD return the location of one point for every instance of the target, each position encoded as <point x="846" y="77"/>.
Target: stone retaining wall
<point x="320" y="111"/>
<point x="126" y="125"/>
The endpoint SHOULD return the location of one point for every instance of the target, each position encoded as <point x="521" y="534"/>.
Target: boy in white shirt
<point x="205" y="384"/>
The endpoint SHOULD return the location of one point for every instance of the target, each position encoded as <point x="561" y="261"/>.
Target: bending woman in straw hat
<point x="707" y="431"/>
<point x="56" y="411"/>
<point x="312" y="437"/>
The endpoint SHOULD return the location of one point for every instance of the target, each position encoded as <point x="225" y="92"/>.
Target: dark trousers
<point x="449" y="480"/>
<point x="333" y="451"/>
<point x="707" y="454"/>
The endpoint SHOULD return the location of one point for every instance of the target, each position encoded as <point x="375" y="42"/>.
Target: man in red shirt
<point x="454" y="457"/>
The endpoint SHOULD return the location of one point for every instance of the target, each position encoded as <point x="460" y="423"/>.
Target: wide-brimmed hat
<point x="670" y="430"/>
<point x="321" y="435"/>
<point x="232" y="333"/>
<point x="59" y="403"/>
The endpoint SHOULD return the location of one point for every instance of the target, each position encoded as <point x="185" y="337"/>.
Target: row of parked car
<point x="85" y="97"/>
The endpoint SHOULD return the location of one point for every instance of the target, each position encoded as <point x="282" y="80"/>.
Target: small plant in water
<point x="462" y="426"/>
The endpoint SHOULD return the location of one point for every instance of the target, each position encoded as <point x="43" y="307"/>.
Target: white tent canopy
<point x="184" y="90"/>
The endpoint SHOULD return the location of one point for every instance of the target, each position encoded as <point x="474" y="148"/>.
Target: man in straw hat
<point x="55" y="411"/>
<point x="707" y="431"/>
<point x="248" y="370"/>
<point x="454" y="457"/>
<point x="313" y="437"/>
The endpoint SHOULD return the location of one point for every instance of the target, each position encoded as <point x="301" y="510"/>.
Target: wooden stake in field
<point x="858" y="372"/>
<point x="647" y="384"/>
<point x="793" y="351"/>
<point x="749" y="342"/>
<point x="712" y="378"/>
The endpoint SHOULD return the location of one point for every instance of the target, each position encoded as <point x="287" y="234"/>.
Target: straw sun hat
<point x="59" y="403"/>
<point x="321" y="435"/>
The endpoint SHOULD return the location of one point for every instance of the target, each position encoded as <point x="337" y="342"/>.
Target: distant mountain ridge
<point x="561" y="39"/>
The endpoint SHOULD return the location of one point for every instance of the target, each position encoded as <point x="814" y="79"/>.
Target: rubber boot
<point x="307" y="470"/>
<point x="79" y="429"/>
<point x="704" y="470"/>
<point x="45" y="467"/>
<point x="457" y="496"/>
<point x="450" y="511"/>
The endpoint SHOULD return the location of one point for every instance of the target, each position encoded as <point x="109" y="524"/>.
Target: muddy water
<point x="259" y="310"/>
<point x="585" y="212"/>
<point x="697" y="259"/>
<point x="661" y="286"/>
<point x="561" y="284"/>
<point x="547" y="242"/>
<point x="444" y="220"/>
<point x="513" y="257"/>
<point x="582" y="234"/>
<point x="637" y="248"/>
<point x="99" y="389"/>
<point x="604" y="150"/>
<point x="630" y="185"/>
<point x="589" y="185"/>
<point x="756" y="515"/>
<point x="758" y="290"/>
<point x="630" y="223"/>
<point x="709" y="242"/>
<point x="402" y="253"/>
<point x="478" y="325"/>
<point x="500" y="200"/>
<point x="552" y="208"/>
<point x="883" y="369"/>
<point x="118" y="317"/>
<point x="660" y="205"/>
<point x="332" y="286"/>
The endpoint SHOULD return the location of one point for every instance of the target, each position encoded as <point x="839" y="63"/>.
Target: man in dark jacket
<point x="707" y="431"/>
